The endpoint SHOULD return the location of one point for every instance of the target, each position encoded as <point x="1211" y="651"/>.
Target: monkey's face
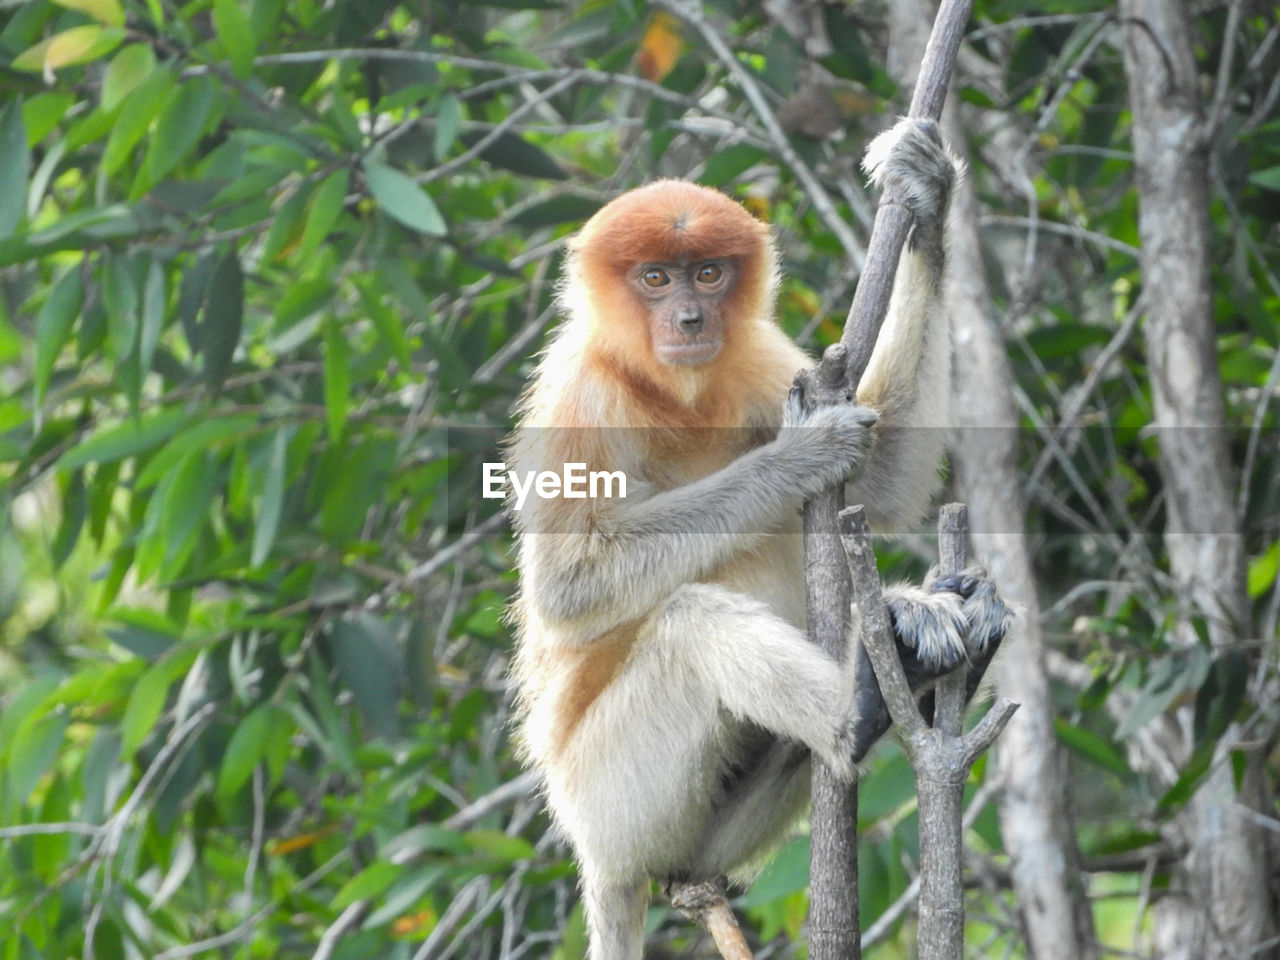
<point x="684" y="301"/>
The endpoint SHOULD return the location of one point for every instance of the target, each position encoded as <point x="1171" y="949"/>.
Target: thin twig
<point x="349" y="918"/>
<point x="706" y="904"/>
<point x="522" y="786"/>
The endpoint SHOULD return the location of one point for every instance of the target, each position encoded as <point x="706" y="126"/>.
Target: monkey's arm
<point x="639" y="552"/>
<point x="907" y="380"/>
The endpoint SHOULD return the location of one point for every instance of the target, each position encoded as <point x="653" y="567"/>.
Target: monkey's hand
<point x="821" y="446"/>
<point x="912" y="157"/>
<point x="950" y="620"/>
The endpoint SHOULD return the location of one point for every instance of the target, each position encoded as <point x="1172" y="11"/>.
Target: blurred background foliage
<point x="271" y="274"/>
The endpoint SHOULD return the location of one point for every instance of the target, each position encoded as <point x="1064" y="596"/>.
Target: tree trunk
<point x="1035" y="811"/>
<point x="1219" y="906"/>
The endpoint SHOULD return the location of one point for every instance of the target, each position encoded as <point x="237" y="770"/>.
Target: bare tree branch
<point x="705" y="903"/>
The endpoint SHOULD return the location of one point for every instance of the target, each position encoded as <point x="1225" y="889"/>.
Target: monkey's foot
<point x="987" y="616"/>
<point x="911" y="157"/>
<point x="930" y="624"/>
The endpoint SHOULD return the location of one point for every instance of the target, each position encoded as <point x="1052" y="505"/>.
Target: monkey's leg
<point x="757" y="667"/>
<point x="872" y="714"/>
<point x="615" y="916"/>
<point x="762" y="797"/>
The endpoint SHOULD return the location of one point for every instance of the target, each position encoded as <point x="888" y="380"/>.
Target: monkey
<point x="666" y="690"/>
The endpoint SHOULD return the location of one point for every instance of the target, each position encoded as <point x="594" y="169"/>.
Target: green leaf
<point x="448" y="123"/>
<point x="786" y="873"/>
<point x="147" y="701"/>
<point x="404" y="895"/>
<point x="43" y="112"/>
<point x="512" y="152"/>
<point x="128" y="68"/>
<point x="66" y="49"/>
<point x="1066" y="339"/>
<point x="286" y="227"/>
<point x="75" y="504"/>
<point x="102" y="498"/>
<point x="235" y="34"/>
<point x="271" y="503"/>
<point x="1193" y="772"/>
<point x="425" y="838"/>
<point x="104" y="11"/>
<point x="565" y="208"/>
<point x="99" y="762"/>
<point x="1264" y="569"/>
<point x="73" y="232"/>
<point x="337" y="379"/>
<point x="729" y="163"/>
<point x="126" y="439"/>
<point x="486" y="621"/>
<point x="136" y="113"/>
<point x="402" y="199"/>
<point x="191" y="296"/>
<point x="248" y="745"/>
<point x="186" y="506"/>
<point x="204" y="435"/>
<point x="500" y="846"/>
<point x="1268" y="179"/>
<point x="153" y="304"/>
<point x="1089" y="744"/>
<point x="145" y="705"/>
<point x="388" y="321"/>
<point x="15" y="166"/>
<point x="1222" y="697"/>
<point x="33" y="752"/>
<point x="326" y="207"/>
<point x="53" y="326"/>
<point x="368" y="884"/>
<point x="1169" y="679"/>
<point x="144" y="633"/>
<point x="25" y="707"/>
<point x="369" y="664"/>
<point x="178" y="127"/>
<point x="120" y="294"/>
<point x="223" y="318"/>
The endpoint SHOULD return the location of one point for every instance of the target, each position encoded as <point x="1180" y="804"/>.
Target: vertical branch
<point x="1227" y="913"/>
<point x="940" y="759"/>
<point x="953" y="536"/>
<point x="940" y="783"/>
<point x="833" y="825"/>
<point x="893" y="219"/>
<point x="833" y="898"/>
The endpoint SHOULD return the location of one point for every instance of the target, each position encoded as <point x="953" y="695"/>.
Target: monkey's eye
<point x="709" y="273"/>
<point x="655" y="278"/>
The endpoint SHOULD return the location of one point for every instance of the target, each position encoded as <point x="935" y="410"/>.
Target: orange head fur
<point x="670" y="221"/>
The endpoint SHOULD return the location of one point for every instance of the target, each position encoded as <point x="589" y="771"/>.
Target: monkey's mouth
<point x="687" y="354"/>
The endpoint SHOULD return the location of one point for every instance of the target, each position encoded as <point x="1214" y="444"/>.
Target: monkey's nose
<point x="689" y="320"/>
